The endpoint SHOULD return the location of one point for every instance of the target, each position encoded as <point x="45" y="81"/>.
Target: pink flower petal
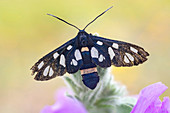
<point x="165" y="105"/>
<point x="65" y="104"/>
<point x="148" y="96"/>
<point x="154" y="107"/>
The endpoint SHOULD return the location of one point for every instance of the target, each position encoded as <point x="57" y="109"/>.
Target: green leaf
<point x="123" y="108"/>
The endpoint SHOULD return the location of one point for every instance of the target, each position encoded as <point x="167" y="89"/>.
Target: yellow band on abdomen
<point x="87" y="71"/>
<point x="84" y="49"/>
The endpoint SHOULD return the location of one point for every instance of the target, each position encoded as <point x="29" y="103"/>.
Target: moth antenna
<point x="64" y="21"/>
<point x="97" y="17"/>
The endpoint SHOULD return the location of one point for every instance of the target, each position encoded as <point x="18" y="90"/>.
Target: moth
<point x="85" y="52"/>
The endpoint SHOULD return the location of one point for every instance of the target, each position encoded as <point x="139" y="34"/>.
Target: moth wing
<point x="56" y="63"/>
<point x="99" y="56"/>
<point x="120" y="53"/>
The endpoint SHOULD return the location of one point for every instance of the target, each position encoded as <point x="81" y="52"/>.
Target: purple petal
<point x="65" y="104"/>
<point x="148" y="96"/>
<point x="47" y="109"/>
<point x="165" y="105"/>
<point x="154" y="107"/>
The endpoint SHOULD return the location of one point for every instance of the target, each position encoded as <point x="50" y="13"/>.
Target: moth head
<point x="83" y="38"/>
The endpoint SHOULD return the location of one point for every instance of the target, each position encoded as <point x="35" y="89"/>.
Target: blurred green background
<point x="27" y="34"/>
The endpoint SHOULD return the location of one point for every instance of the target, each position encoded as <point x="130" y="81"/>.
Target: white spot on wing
<point x="77" y="54"/>
<point x="133" y="49"/>
<point x="99" y="43"/>
<point x="130" y="56"/>
<point x="115" y="45"/>
<point x="101" y="58"/>
<point x="111" y="53"/>
<point x="74" y="62"/>
<point x="69" y="47"/>
<point x="94" y="52"/>
<point x="51" y="72"/>
<point x="46" y="71"/>
<point x="62" y="60"/>
<point x="126" y="59"/>
<point x="40" y="65"/>
<point x="55" y="55"/>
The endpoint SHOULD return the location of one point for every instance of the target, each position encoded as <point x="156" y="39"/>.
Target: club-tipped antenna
<point x="97" y="17"/>
<point x="64" y="21"/>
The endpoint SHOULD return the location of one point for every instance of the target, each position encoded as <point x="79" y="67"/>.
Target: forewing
<point x="120" y="53"/>
<point x="56" y="63"/>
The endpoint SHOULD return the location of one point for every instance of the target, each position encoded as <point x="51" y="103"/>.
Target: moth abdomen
<point x="90" y="77"/>
<point x="88" y="70"/>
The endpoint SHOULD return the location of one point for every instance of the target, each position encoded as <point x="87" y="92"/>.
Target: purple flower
<point x="65" y="104"/>
<point x="149" y="102"/>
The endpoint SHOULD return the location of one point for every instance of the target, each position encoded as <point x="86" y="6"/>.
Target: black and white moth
<point x="85" y="52"/>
